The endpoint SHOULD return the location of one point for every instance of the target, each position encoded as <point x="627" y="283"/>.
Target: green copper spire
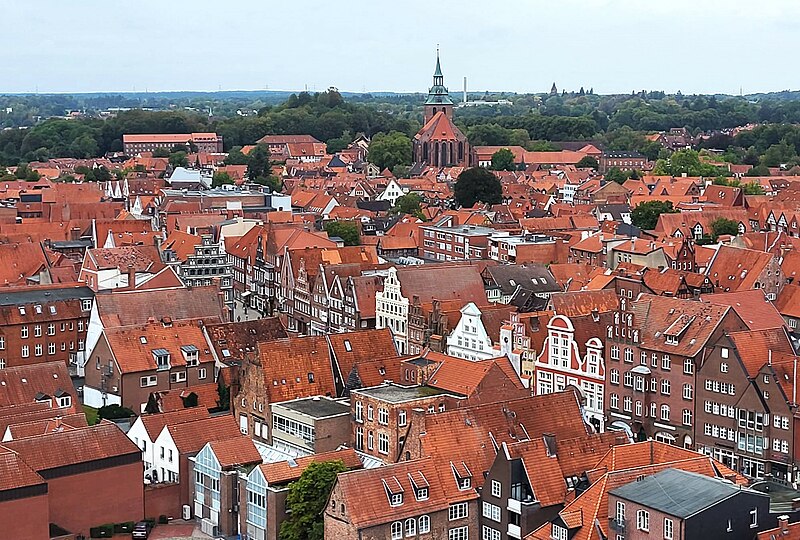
<point x="438" y="93"/>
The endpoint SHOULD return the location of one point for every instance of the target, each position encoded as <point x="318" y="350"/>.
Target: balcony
<point x="514" y="531"/>
<point x="514" y="506"/>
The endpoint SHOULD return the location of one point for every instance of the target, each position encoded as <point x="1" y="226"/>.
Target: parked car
<point x="142" y="529"/>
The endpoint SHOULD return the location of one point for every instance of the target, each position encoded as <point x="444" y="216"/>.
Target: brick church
<point x="440" y="143"/>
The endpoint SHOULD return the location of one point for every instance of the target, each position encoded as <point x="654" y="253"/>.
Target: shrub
<point x="162" y="519"/>
<point x="124" y="527"/>
<point x="102" y="531"/>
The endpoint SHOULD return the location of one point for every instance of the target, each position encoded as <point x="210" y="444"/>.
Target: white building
<point x="469" y="339"/>
<point x="391" y="310"/>
<point x="392" y="192"/>
<point x="562" y="364"/>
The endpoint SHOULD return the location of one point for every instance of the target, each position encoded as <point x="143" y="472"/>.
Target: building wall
<point x="251" y="403"/>
<point x="26" y="519"/>
<point x="162" y="499"/>
<point x="391" y="310"/>
<point x="110" y="495"/>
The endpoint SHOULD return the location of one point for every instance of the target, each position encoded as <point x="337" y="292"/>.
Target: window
<point x="688" y="366"/>
<point x="383" y="443"/>
<point x="37" y="330"/>
<point x="628" y="378"/>
<point x="201" y="373"/>
<point x="754" y="518"/>
<point x="666" y="363"/>
<point x="459" y="533"/>
<point x="688" y="392"/>
<point x="628" y="355"/>
<point x="383" y="416"/>
<point x="724" y="352"/>
<point x="401" y="417"/>
<point x="411" y="524"/>
<point x="687" y="417"/>
<point x="25" y="351"/>
<point x="396" y="499"/>
<point x="614" y="401"/>
<point x="424" y="524"/>
<point x="23" y="332"/>
<point x="370" y="440"/>
<point x="490" y="534"/>
<point x="51" y="329"/>
<point x="86" y="304"/>
<point x="668" y="529"/>
<point x="359" y="411"/>
<point x="51" y="348"/>
<point x="558" y="532"/>
<point x="457" y="511"/>
<point x="370" y="412"/>
<point x="620" y="512"/>
<point x="627" y="403"/>
<point x="665" y="387"/>
<point x="614" y="352"/>
<point x="150" y="380"/>
<point x="723" y="367"/>
<point x="643" y="520"/>
<point x="397" y="530"/>
<point x="64" y="402"/>
<point x="491" y="511"/>
<point x="497" y="489"/>
<point x="665" y="413"/>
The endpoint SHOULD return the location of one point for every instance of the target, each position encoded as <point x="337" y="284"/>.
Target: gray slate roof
<point x="677" y="493"/>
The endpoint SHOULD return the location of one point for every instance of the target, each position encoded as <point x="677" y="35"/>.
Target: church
<point x="440" y="143"/>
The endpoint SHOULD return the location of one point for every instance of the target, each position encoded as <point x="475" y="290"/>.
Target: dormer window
<point x="463" y="475"/>
<point x="394" y="491"/>
<point x="672" y="340"/>
<point x="191" y="355"/>
<point x="420" y="485"/>
<point x="161" y="356"/>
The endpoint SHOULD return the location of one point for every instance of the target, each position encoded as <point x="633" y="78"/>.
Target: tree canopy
<point x="588" y="162"/>
<point x="221" y="178"/>
<point x="503" y="160"/>
<point x="685" y="162"/>
<point x="722" y="226"/>
<point x="645" y="216"/>
<point x="477" y="185"/>
<point x="389" y="150"/>
<point x="307" y="499"/>
<point x="408" y="204"/>
<point x="346" y="230"/>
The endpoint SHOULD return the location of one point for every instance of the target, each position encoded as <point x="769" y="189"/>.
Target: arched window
<point x="411" y="527"/>
<point x="424" y="152"/>
<point x="665" y="413"/>
<point x="460" y="150"/>
<point x="424" y="524"/>
<point x="397" y="530"/>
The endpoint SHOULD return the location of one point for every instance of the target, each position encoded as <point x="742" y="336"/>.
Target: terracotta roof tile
<point x="154" y="423"/>
<point x="190" y="437"/>
<point x="15" y="473"/>
<point x="751" y="305"/>
<point x="235" y="452"/>
<point x="126" y="308"/>
<point x="296" y="367"/>
<point x="282" y="472"/>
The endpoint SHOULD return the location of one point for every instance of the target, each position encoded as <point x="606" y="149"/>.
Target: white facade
<point x="391" y="310"/>
<point x="469" y="339"/>
<point x="561" y="364"/>
<point x="141" y="438"/>
<point x="96" y="398"/>
<point x="166" y="465"/>
<point x="392" y="192"/>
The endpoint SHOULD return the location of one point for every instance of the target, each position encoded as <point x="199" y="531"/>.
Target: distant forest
<point x="34" y="127"/>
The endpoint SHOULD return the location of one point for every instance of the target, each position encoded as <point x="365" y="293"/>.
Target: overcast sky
<point x="696" y="46"/>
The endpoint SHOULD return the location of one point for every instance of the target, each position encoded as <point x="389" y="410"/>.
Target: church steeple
<point x="438" y="95"/>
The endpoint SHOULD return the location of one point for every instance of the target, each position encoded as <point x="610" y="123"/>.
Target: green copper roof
<point x="438" y="72"/>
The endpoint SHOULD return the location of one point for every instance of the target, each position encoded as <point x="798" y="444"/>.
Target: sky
<point x="612" y="46"/>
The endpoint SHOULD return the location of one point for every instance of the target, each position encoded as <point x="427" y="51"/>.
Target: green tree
<point x="616" y="175"/>
<point x="307" y="499"/>
<point x="503" y="160"/>
<point x="722" y="226"/>
<point x="258" y="163"/>
<point x="758" y="170"/>
<point x="236" y="157"/>
<point x="161" y="152"/>
<point x="178" y="159"/>
<point x="346" y="230"/>
<point x="685" y="162"/>
<point x="224" y="395"/>
<point x="221" y="178"/>
<point x="477" y="185"/>
<point x="408" y="204"/>
<point x="588" y="162"/>
<point x="388" y="150"/>
<point x="753" y="188"/>
<point x="645" y="216"/>
<point x="401" y="171"/>
<point x="113" y="412"/>
<point x="274" y="183"/>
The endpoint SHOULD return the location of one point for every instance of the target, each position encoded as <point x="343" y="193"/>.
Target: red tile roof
<point x="751" y="305"/>
<point x="296" y="367"/>
<point x="15" y="473"/>
<point x="282" y="472"/>
<point x="154" y="423"/>
<point x="235" y="452"/>
<point x="126" y="308"/>
<point x="190" y="437"/>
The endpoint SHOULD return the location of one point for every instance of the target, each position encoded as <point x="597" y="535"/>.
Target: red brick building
<point x="133" y="144"/>
<point x="43" y="324"/>
<point x="93" y="476"/>
<point x="24" y="511"/>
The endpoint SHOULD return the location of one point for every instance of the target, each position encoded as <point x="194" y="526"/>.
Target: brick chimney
<point x="783" y="525"/>
<point x="131" y="277"/>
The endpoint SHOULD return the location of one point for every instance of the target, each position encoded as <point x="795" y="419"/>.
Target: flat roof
<point x="463" y="230"/>
<point x="397" y="394"/>
<point x="316" y="407"/>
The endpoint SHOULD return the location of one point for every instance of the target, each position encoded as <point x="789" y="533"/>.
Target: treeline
<point x="535" y="121"/>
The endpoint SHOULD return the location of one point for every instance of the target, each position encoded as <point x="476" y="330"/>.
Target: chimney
<point x="783" y="524"/>
<point x="131" y="277"/>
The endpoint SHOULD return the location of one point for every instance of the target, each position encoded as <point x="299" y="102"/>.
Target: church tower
<point x="438" y="96"/>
